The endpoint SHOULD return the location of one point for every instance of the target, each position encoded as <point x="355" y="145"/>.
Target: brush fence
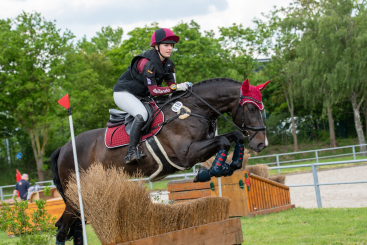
<point x="250" y="194"/>
<point x="218" y="233"/>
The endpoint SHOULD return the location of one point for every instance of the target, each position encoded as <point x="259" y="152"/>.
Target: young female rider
<point x="144" y="77"/>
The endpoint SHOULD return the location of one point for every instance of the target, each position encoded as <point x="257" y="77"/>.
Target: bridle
<point x="245" y="127"/>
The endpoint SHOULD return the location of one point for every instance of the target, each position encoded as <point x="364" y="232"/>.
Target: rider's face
<point x="165" y="49"/>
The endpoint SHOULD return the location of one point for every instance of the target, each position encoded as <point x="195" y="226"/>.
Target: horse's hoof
<point x="203" y="175"/>
<point x="226" y="170"/>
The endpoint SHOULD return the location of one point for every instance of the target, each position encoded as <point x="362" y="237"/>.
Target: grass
<point x="297" y="226"/>
<point x="307" y="226"/>
<point x="92" y="238"/>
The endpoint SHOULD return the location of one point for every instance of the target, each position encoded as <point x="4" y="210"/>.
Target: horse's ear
<point x="245" y="87"/>
<point x="262" y="86"/>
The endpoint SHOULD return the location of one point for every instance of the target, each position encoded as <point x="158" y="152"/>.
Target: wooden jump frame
<point x="250" y="194"/>
<point x="225" y="232"/>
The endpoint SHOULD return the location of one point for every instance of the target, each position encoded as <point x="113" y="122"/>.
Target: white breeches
<point x="130" y="104"/>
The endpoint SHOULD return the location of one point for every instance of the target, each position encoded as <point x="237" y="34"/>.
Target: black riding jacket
<point x="154" y="73"/>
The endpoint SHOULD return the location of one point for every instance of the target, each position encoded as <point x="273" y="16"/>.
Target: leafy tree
<point x="138" y="42"/>
<point x="31" y="61"/>
<point x="107" y="39"/>
<point x="245" y="46"/>
<point x="198" y="56"/>
<point x="350" y="21"/>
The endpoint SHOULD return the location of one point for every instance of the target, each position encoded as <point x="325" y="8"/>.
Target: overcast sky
<point x="86" y="17"/>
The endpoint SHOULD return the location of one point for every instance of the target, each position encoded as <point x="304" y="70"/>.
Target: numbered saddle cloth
<point x="117" y="136"/>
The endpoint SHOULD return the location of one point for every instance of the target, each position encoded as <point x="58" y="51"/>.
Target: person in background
<point x="22" y="186"/>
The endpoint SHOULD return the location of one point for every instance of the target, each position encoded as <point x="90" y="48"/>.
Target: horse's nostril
<point x="261" y="146"/>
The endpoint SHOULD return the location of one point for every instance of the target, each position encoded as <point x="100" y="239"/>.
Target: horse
<point x="186" y="142"/>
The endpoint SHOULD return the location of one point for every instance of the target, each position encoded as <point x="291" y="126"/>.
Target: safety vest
<point x="133" y="82"/>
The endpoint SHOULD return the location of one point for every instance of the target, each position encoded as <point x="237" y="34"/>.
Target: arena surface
<point x="336" y="196"/>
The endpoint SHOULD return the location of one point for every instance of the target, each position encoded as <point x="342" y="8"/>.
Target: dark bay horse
<point x="186" y="142"/>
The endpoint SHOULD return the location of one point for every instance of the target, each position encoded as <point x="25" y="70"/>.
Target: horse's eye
<point x="251" y="109"/>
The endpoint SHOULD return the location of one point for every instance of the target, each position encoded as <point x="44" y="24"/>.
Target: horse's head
<point x="247" y="115"/>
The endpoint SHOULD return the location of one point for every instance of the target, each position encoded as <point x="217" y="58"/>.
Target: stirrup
<point x="134" y="157"/>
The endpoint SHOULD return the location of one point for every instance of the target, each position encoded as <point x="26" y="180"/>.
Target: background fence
<point x="297" y="158"/>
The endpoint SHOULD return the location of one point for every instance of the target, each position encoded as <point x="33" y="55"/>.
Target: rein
<point x="188" y="93"/>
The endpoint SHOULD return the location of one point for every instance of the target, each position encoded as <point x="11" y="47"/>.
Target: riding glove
<point x="182" y="86"/>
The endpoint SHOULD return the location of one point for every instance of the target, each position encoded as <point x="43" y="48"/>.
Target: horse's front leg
<point x="239" y="149"/>
<point x="219" y="166"/>
<point x="203" y="149"/>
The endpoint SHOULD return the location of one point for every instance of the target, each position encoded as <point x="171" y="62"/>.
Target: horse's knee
<point x="224" y="143"/>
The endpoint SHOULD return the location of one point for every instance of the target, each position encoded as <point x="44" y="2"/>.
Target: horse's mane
<point x="227" y="79"/>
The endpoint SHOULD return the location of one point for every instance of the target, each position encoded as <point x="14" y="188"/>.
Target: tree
<point x="351" y="69"/>
<point x="245" y="46"/>
<point x="31" y="61"/>
<point x="198" y="56"/>
<point x="107" y="39"/>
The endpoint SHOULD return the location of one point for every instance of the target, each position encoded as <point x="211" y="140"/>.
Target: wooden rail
<point x="266" y="194"/>
<point x="250" y="194"/>
<point x="225" y="232"/>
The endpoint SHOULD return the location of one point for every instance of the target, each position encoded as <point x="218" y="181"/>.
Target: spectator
<point x="22" y="186"/>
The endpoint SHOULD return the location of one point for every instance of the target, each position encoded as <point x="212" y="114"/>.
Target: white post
<point x="1" y="193"/>
<point x="151" y="185"/>
<point x="77" y="177"/>
<point x="278" y="163"/>
<point x="354" y="153"/>
<point x="317" y="157"/>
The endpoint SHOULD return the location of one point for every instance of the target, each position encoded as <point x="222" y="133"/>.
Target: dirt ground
<point x="348" y="195"/>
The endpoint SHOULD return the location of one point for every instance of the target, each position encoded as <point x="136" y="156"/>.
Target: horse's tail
<point x="55" y="172"/>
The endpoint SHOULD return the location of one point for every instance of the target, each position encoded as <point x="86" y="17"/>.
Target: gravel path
<point x="350" y="195"/>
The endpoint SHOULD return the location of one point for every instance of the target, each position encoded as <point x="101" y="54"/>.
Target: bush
<point x="36" y="228"/>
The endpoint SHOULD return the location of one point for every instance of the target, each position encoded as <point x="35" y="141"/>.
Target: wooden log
<point x="272" y="210"/>
<point x="218" y="233"/>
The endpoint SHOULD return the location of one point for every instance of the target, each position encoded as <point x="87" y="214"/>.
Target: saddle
<point x="119" y="125"/>
<point x="118" y="117"/>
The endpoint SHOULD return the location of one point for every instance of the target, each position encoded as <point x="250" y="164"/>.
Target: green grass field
<point x="297" y="226"/>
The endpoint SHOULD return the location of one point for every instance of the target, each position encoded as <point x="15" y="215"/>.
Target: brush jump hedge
<point x="122" y="212"/>
<point x="250" y="194"/>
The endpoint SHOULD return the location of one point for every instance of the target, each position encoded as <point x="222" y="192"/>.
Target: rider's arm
<point x="149" y="73"/>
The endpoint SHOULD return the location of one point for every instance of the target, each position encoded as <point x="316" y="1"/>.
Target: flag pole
<point x="64" y="101"/>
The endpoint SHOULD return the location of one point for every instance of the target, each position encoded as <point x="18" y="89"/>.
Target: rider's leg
<point x="134" y="107"/>
<point x="130" y="104"/>
<point x="135" y="134"/>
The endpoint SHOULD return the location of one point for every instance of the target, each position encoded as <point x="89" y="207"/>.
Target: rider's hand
<point x="182" y="86"/>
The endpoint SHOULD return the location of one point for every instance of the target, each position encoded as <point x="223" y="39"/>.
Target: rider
<point x="144" y="77"/>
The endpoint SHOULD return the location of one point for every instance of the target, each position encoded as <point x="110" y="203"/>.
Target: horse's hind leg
<point x="64" y="224"/>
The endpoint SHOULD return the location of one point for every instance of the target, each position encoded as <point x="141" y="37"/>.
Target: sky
<point x="86" y="17"/>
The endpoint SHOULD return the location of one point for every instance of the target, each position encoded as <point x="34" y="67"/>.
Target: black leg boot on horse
<point x="133" y="155"/>
<point x="219" y="168"/>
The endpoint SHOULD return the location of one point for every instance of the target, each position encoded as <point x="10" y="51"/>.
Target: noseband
<point x="245" y="127"/>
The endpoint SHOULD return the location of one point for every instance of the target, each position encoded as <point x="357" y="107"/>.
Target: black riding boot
<point x="135" y="134"/>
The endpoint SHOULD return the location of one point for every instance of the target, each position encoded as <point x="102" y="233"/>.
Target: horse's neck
<point x="221" y="95"/>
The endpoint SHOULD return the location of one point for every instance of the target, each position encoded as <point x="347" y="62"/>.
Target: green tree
<point x="32" y="60"/>
<point x="350" y="21"/>
<point x="199" y="56"/>
<point x="106" y="39"/>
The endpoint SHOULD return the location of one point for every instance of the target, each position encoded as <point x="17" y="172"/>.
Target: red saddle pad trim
<point x="121" y="138"/>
